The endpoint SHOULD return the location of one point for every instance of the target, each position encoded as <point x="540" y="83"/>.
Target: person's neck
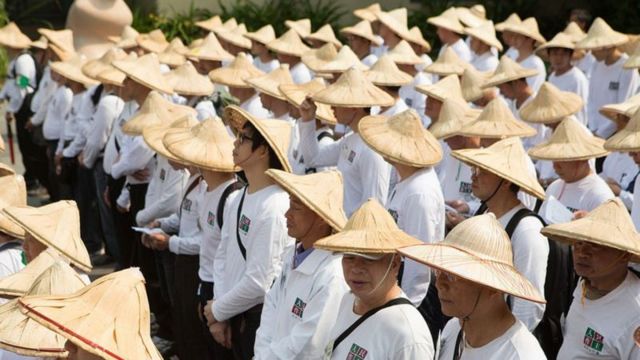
<point x="502" y="202"/>
<point x="362" y="305"/>
<point x="392" y="42"/>
<point x="314" y="235"/>
<point x="524" y="53"/>
<point x="613" y="57"/>
<point x="279" y="111"/>
<point x="606" y="284"/>
<point x="487" y="325"/>
<point x="563" y="70"/>
<point x="405" y="171"/>
<point x="257" y="179"/>
<point x="452" y="40"/>
<point x="215" y="178"/>
<point x="141" y="95"/>
<point x="523" y="95"/>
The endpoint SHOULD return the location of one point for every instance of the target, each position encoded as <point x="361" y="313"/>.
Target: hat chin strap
<point x="384" y="277"/>
<point x="494" y="191"/>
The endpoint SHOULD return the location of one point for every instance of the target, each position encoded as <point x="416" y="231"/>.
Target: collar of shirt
<point x="301" y="254"/>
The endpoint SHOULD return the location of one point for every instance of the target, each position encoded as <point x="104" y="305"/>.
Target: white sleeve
<point x="98" y="134"/>
<point x="268" y="317"/>
<point x="123" y="199"/>
<point x="168" y="200"/>
<point x="375" y="174"/>
<point x="221" y="253"/>
<point x="316" y="154"/>
<point x="186" y="245"/>
<point x="78" y="142"/>
<point x="170" y="224"/>
<point x="135" y="155"/>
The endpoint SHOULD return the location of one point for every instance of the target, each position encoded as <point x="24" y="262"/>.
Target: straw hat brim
<point x="352" y="30"/>
<point x="504" y="78"/>
<point x="353" y="97"/>
<point x="112" y="77"/>
<point x="518" y="29"/>
<point x="623" y="141"/>
<point x="198" y="85"/>
<point x="388" y="78"/>
<point x="612" y="40"/>
<point x="209" y="155"/>
<point x="481" y="35"/>
<point x="442" y="22"/>
<point x="235" y="39"/>
<point x="153" y="138"/>
<point x="392" y="24"/>
<point x="593" y="234"/>
<point x="258" y="38"/>
<point x="267" y="86"/>
<point x="443" y="130"/>
<point x="132" y="70"/>
<point x="569" y="104"/>
<point x="11" y="228"/>
<point x="282" y="47"/>
<point x="443" y="69"/>
<point x="296" y="97"/>
<point x="497" y="129"/>
<point x="171" y="58"/>
<point x="368" y="242"/>
<point x="18" y="284"/>
<point x="569" y="152"/>
<point x="72" y="72"/>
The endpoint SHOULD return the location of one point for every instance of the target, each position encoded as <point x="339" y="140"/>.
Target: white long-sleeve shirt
<point x="22" y="68"/>
<point x="266" y="67"/>
<point x="71" y="125"/>
<point x="83" y="121"/>
<point x="114" y="144"/>
<point x="621" y="168"/>
<point x="461" y="49"/>
<point x="164" y="192"/>
<point x="135" y="155"/>
<point x="415" y="99"/>
<point x="57" y="111"/>
<point x="254" y="107"/>
<point x="107" y="111"/>
<point x="533" y="61"/>
<point x="485" y="62"/>
<point x="189" y="237"/>
<point x="574" y="81"/>
<point x="301" y="73"/>
<point x="42" y="96"/>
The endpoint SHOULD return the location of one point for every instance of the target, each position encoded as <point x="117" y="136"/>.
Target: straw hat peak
<point x="154" y="41"/>
<point x="316" y="58"/>
<point x="269" y="83"/>
<point x="185" y="80"/>
<point x="236" y="37"/>
<point x="153" y="135"/>
<point x="509" y="70"/>
<point x="344" y="60"/>
<point x="486" y="33"/>
<point x="447" y="63"/>
<point x="72" y="70"/>
<point x="561" y="40"/>
<point x="385" y="72"/>
<point x="264" y="35"/>
<point x="415" y="36"/>
<point x="210" y="49"/>
<point x="325" y="34"/>
<point x="173" y="55"/>
<point x="472" y="82"/>
<point x="302" y="27"/>
<point x="114" y="76"/>
<point x="574" y="32"/>
<point x="627" y="139"/>
<point x="289" y="43"/>
<point x="61" y="39"/>
<point x="403" y="54"/>
<point x="362" y="29"/>
<point x="510" y="20"/>
<point x="235" y="74"/>
<point x="569" y="142"/>
<point x="448" y="20"/>
<point x="454" y="115"/>
<point x="496" y="121"/>
<point x="296" y="94"/>
<point x="211" y="23"/>
<point x="369" y="13"/>
<point x="11" y="36"/>
<point x="146" y="71"/>
<point x="446" y="87"/>
<point x="17" y="284"/>
<point x="529" y="28"/>
<point x="396" y="20"/>
<point x="468" y="18"/>
<point x="156" y="110"/>
<point x="353" y="90"/>
<point x="550" y="105"/>
<point x="13" y="192"/>
<point x="601" y="35"/>
<point x="93" y="67"/>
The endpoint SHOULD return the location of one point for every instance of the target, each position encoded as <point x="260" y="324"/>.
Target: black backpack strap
<point x="481" y="209"/>
<point x="10" y="245"/>
<point x="519" y="215"/>
<point x="368" y="314"/>
<point x="223" y="200"/>
<point x="243" y="250"/>
<point x="457" y="350"/>
<point x="324" y="134"/>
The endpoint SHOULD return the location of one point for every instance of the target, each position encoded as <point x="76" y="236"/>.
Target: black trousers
<point x="85" y="196"/>
<point x="189" y="338"/>
<point x="215" y="351"/>
<point x="34" y="156"/>
<point x="243" y="332"/>
<point x="124" y="233"/>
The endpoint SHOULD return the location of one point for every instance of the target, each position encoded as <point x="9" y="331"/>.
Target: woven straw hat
<point x="325" y="34"/>
<point x="363" y="30"/>
<point x="601" y="35"/>
<point x="486" y="33"/>
<point x="325" y="201"/>
<point x="297" y="93"/>
<point x="370" y="230"/>
<point x="173" y="54"/>
<point x="353" y="90"/>
<point x="127" y="38"/>
<point x="109" y="318"/>
<point x="210" y="24"/>
<point x="496" y="121"/>
<point x="403" y="54"/>
<point x="447" y="63"/>
<point x="506" y="159"/>
<point x="185" y="80"/>
<point x="72" y="70"/>
<point x="236" y="37"/>
<point x="235" y="74"/>
<point x="529" y="28"/>
<point x="269" y="83"/>
<point x="13" y="192"/>
<point x="569" y="142"/>
<point x="574" y="32"/>
<point x="454" y="115"/>
<point x="302" y="27"/>
<point x="608" y="225"/>
<point x="509" y="70"/>
<point x="369" y="13"/>
<point x="264" y="35"/>
<point x="206" y="145"/>
<point x="468" y="18"/>
<point x="345" y="60"/>
<point x="11" y="36"/>
<point x="41" y="43"/>
<point x="146" y="71"/>
<point x="511" y="20"/>
<point x="24" y="336"/>
<point x="154" y="41"/>
<point x="551" y="105"/>
<point x="230" y="24"/>
<point x="472" y="82"/>
<point x="401" y="138"/>
<point x="60" y="41"/>
<point x="415" y="36"/>
<point x="153" y="135"/>
<point x="634" y="60"/>
<point x="448" y="20"/>
<point x="55" y="225"/>
<point x="627" y="108"/>
<point x="315" y="59"/>
<point x="386" y="73"/>
<point x="277" y="133"/>
<point x="210" y="49"/>
<point x="290" y="44"/>
<point x="156" y="110"/>
<point x="396" y="20"/>
<point x="627" y="139"/>
<point x="561" y="40"/>
<point x="114" y="76"/>
<point x="17" y="284"/>
<point x="445" y="88"/>
<point x="478" y="250"/>
<point x="93" y="67"/>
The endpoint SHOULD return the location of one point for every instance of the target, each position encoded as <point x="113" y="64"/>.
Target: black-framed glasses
<point x="243" y="137"/>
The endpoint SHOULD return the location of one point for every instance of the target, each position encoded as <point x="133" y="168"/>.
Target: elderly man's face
<point x="596" y="262"/>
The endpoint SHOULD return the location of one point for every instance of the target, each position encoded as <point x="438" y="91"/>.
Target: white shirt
<point x="609" y="84"/>
<point x="586" y="64"/>
<point x="43" y="95"/>
<point x="135" y="155"/>
<point x="324" y="135"/>
<point x="164" y="193"/>
<point x="455" y="178"/>
<point x="83" y="120"/>
<point x="115" y="141"/>
<point x="300" y="308"/>
<point x="635" y="209"/>
<point x="585" y="194"/>
<point x="511" y="53"/>
<point x="22" y="66"/>
<point x="301" y="73"/>
<point x="254" y="107"/>
<point x="242" y="284"/>
<point x="485" y="62"/>
<point x="57" y="111"/>
<point x="574" y="81"/>
<point x="108" y="110"/>
<point x="460" y="48"/>
<point x="266" y="67"/>
<point x="415" y="99"/>
<point x="396" y="332"/>
<point x="621" y="168"/>
<point x="417" y="206"/>
<point x="369" y="60"/>
<point x="189" y="237"/>
<point x="397" y="107"/>
<point x="426" y="61"/>
<point x="205" y="110"/>
<point x="517" y="343"/>
<point x="71" y="125"/>
<point x="603" y="328"/>
<point x="364" y="172"/>
<point x="11" y="261"/>
<point x="534" y="62"/>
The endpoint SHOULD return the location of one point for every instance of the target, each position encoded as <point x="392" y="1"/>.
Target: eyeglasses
<point x="445" y="275"/>
<point x="242" y="138"/>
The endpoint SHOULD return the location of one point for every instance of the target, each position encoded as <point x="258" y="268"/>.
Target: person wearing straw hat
<point x="392" y="28"/>
<point x="210" y="54"/>
<point x="343" y="61"/>
<point x="447" y="63"/>
<point x="302" y="27"/>
<point x="361" y="39"/>
<point x="289" y="48"/>
<point x="450" y="31"/>
<point x="270" y="95"/>
<point x="386" y="75"/>
<point x="375" y="318"/>
<point x="263" y="59"/>
<point x="365" y="173"/>
<point x="526" y="37"/>
<point x="13" y="192"/>
<point x="254" y="235"/>
<point x="472" y="83"/>
<point x="301" y="302"/>
<point x="234" y="41"/>
<point x="474" y="271"/>
<point x="420" y="46"/>
<point x="609" y="83"/>
<point x="483" y="39"/>
<point x="599" y="324"/>
<point x="507" y="35"/>
<point x="436" y="94"/>
<point x="322" y="36"/>
<point x="192" y="88"/>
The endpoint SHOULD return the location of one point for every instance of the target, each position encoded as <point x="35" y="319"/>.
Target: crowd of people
<point x="297" y="197"/>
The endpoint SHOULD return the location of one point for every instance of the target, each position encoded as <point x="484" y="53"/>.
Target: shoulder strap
<point x="223" y="200"/>
<point x="243" y="250"/>
<point x="457" y="351"/>
<point x="519" y="215"/>
<point x="481" y="209"/>
<point x="368" y="314"/>
<point x="10" y="245"/>
<point x="324" y="134"/>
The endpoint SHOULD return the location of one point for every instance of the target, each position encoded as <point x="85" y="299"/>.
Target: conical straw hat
<point x="467" y="18"/>
<point x="529" y="28"/>
<point x="235" y="74"/>
<point x="479" y="11"/>
<point x="24" y="336"/>
<point x="13" y="192"/>
<point x="496" y="121"/>
<point x="173" y="54"/>
<point x="634" y="60"/>
<point x="127" y="38"/>
<point x="72" y="70"/>
<point x="486" y="33"/>
<point x="569" y="142"/>
<point x="61" y="41"/>
<point x="448" y="20"/>
<point x="507" y="159"/>
<point x="153" y="135"/>
<point x="472" y="82"/>
<point x="574" y="32"/>
<point x="277" y="133"/>
<point x="353" y="90"/>
<point x="445" y="88"/>
<point x="363" y="30"/>
<point x="108" y="318"/>
<point x="315" y="59"/>
<point x="206" y="145"/>
<point x="156" y="110"/>
<point x="627" y="139"/>
<point x="386" y="73"/>
<point x="550" y="105"/>
<point x="236" y="37"/>
<point x="269" y="83"/>
<point x="325" y="34"/>
<point x="17" y="284"/>
<point x="401" y="138"/>
<point x="561" y="40"/>
<point x="296" y="94"/>
<point x="185" y="80"/>
<point x="369" y="13"/>
<point x="146" y="71"/>
<point x="415" y="36"/>
<point x="210" y="24"/>
<point x="396" y="20"/>
<point x="370" y="230"/>
<point x="154" y="41"/>
<point x="345" y="60"/>
<point x="454" y="115"/>
<point x="290" y="44"/>
<point x="403" y="54"/>
<point x="230" y="24"/>
<point x="627" y="108"/>
<point x="511" y="20"/>
<point x="93" y="67"/>
<point x="114" y="76"/>
<point x="447" y="63"/>
<point x="11" y="36"/>
<point x="55" y="225"/>
<point x="264" y="35"/>
<point x="478" y="250"/>
<point x="325" y="201"/>
<point x="210" y="49"/>
<point x="601" y="35"/>
<point x="608" y="225"/>
<point x="41" y="43"/>
<point x="302" y="27"/>
<point x="509" y="70"/>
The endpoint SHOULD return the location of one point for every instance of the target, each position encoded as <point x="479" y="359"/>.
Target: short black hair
<point x="258" y="140"/>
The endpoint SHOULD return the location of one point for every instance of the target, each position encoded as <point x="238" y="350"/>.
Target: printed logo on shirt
<point x="394" y="215"/>
<point x="408" y="101"/>
<point x="593" y="341"/>
<point x="352" y="155"/>
<point x="186" y="204"/>
<point x="614" y="85"/>
<point x="211" y="219"/>
<point x="357" y="352"/>
<point x="572" y="209"/>
<point x="465" y="188"/>
<point x="244" y="224"/>
<point x="298" y="307"/>
<point x="163" y="174"/>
